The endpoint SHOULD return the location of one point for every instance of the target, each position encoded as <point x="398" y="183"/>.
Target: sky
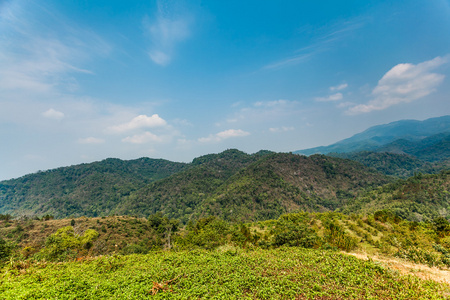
<point x="81" y="81"/>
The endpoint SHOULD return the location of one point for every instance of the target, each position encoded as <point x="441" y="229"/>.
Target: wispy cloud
<point x="145" y="137"/>
<point x="40" y="49"/>
<point x="166" y="30"/>
<point x="141" y="121"/>
<point x="265" y="111"/>
<point x="223" y="135"/>
<point x="402" y="84"/>
<point x="323" y="43"/>
<point x="339" y="87"/>
<point x="281" y="129"/>
<point x="330" y="98"/>
<point x="53" y="114"/>
<point x="91" y="140"/>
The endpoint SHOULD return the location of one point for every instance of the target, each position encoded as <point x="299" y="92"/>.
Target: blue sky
<point x="81" y="81"/>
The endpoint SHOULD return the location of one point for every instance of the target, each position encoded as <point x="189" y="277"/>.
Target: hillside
<point x="378" y="136"/>
<point x="282" y="183"/>
<point x="254" y="187"/>
<point x="91" y="189"/>
<point x="419" y="198"/>
<point x="108" y="187"/>
<point x="299" y="255"/>
<point x="394" y="164"/>
<point x="434" y="148"/>
<point x="265" y="188"/>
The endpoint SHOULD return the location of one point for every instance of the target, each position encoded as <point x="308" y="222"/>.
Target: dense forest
<point x="253" y="187"/>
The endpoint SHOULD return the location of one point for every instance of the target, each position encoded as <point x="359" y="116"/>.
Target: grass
<point x="229" y="273"/>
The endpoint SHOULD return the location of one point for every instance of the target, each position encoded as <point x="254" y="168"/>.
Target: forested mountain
<point x="232" y="184"/>
<point x="283" y="182"/>
<point x="419" y="198"/>
<point x="92" y="188"/>
<point x="378" y="136"/>
<point x="433" y="148"/>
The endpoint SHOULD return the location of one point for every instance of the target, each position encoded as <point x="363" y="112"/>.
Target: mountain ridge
<point x="379" y="135"/>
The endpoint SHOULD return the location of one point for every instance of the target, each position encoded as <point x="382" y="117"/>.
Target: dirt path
<point x="404" y="267"/>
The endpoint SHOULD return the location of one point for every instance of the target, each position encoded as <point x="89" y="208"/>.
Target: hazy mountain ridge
<point x="377" y="136"/>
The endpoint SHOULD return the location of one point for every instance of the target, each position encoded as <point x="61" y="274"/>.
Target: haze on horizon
<point x="87" y="80"/>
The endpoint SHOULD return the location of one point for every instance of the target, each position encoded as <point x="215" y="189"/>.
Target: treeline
<point x="383" y="232"/>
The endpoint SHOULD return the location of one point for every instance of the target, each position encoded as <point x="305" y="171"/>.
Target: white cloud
<point x="143" y="138"/>
<point x="91" y="140"/>
<point x="166" y="31"/>
<point x="281" y="129"/>
<point x="141" y="121"/>
<point x="339" y="87"/>
<point x="271" y="103"/>
<point x="226" y="134"/>
<point x="402" y="84"/>
<point x="53" y="114"/>
<point x="334" y="97"/>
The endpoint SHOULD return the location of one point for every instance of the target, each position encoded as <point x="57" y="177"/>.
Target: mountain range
<point x="428" y="140"/>
<point x="237" y="186"/>
<point x="231" y="184"/>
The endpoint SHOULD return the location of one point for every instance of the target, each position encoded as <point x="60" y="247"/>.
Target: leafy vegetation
<point x="418" y="198"/>
<point x="293" y="256"/>
<point x="394" y="164"/>
<point x="257" y="274"/>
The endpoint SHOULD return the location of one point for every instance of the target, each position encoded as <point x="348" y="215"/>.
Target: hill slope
<point x="419" y="198"/>
<point x="394" y="164"/>
<point x="253" y="187"/>
<point x="93" y="188"/>
<point x="283" y="182"/>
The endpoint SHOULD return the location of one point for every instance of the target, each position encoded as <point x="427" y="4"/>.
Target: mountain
<point x="231" y="184"/>
<point x="381" y="135"/>
<point x="95" y="187"/>
<point x="282" y="183"/>
<point x="433" y="148"/>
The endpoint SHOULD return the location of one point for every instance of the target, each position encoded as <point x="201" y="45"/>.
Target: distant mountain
<point x="433" y="148"/>
<point x="232" y="184"/>
<point x="381" y="135"/>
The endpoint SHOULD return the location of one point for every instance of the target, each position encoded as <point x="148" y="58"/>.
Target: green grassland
<point x="227" y="273"/>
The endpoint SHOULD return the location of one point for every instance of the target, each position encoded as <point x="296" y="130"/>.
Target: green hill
<point x="394" y="164"/>
<point x="91" y="189"/>
<point x="419" y="198"/>
<point x="282" y="182"/>
<point x="253" y="187"/>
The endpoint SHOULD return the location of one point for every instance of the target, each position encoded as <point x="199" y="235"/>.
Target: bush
<point x="290" y="234"/>
<point x="65" y="244"/>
